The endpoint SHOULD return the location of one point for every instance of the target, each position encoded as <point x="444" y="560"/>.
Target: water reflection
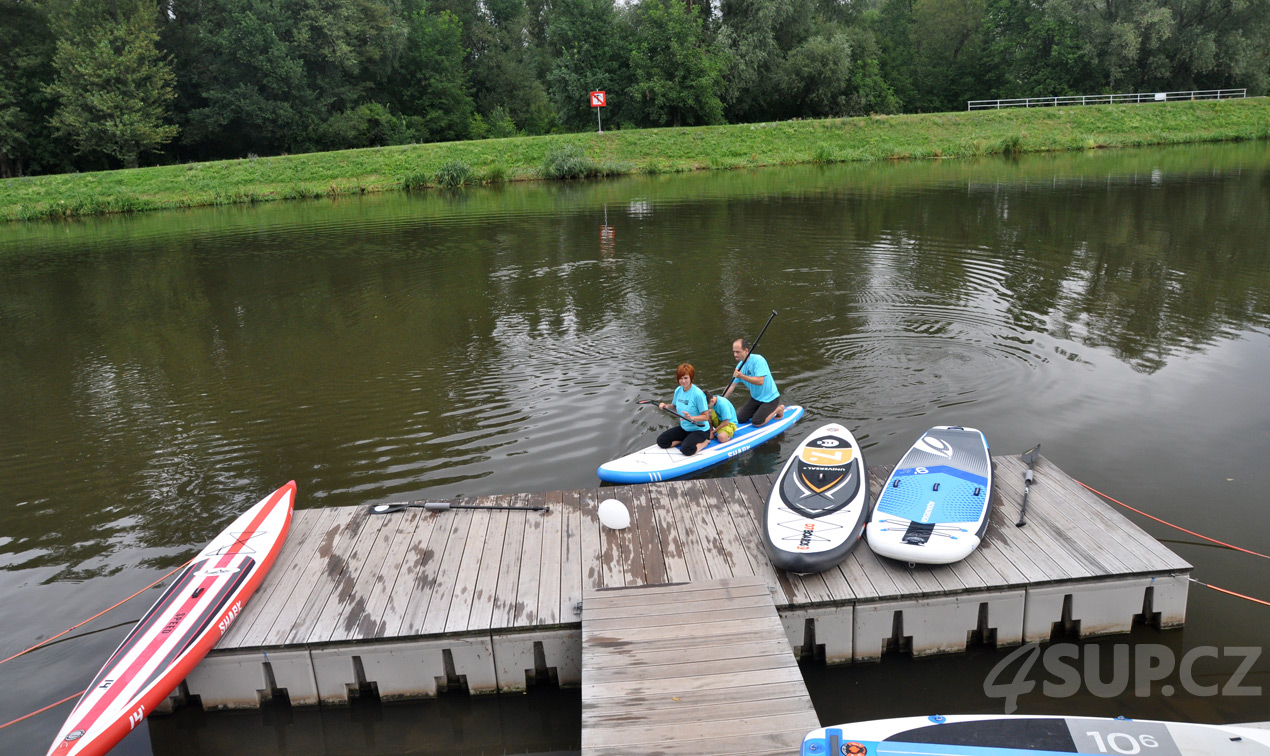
<point x="163" y="372"/>
<point x="537" y="722"/>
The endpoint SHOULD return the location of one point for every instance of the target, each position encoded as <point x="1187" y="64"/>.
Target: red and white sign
<point x="597" y="99"/>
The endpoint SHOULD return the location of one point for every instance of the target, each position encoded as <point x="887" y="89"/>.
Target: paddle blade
<point x="1030" y="455"/>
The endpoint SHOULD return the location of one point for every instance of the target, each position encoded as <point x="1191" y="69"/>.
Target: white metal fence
<point x="1107" y="99"/>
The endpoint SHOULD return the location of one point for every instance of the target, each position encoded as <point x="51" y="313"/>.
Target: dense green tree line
<point x="90" y="84"/>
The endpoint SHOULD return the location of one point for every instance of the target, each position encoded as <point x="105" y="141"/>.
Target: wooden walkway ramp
<point x="691" y="668"/>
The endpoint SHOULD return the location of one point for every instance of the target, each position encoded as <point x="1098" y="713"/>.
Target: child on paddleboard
<point x="722" y="417"/>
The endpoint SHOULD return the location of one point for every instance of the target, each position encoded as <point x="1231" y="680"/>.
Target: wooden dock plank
<point x="668" y="533"/>
<point x="308" y="527"/>
<point x="423" y="587"/>
<point x="504" y="612"/>
<point x="372" y="621"/>
<point x="726" y="541"/>
<point x="404" y="590"/>
<point x="692" y="547"/>
<point x="614" y="546"/>
<point x="485" y="587"/>
<point x="592" y="569"/>
<point x="645" y="538"/>
<point x="744" y="519"/>
<point x="344" y="609"/>
<point x="571" y="572"/>
<point x="1077" y="539"/>
<point x="317" y="579"/>
<point x="526" y="613"/>
<point x="552" y="555"/>
<point x="366" y="549"/>
<point x="469" y="569"/>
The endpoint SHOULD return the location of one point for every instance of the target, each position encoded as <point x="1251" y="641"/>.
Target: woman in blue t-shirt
<point x="693" y="430"/>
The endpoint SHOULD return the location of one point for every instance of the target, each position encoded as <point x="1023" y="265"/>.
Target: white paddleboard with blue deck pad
<point x="653" y="464"/>
<point x="1007" y="735"/>
<point x="934" y="508"/>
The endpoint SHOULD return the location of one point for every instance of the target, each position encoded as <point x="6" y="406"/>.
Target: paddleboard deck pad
<point x="174" y="635"/>
<point x="1003" y="735"/>
<point x="817" y="509"/>
<point x="653" y="464"/>
<point x="934" y="507"/>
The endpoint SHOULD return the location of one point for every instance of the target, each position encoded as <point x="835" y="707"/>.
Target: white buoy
<point x="613" y="514"/>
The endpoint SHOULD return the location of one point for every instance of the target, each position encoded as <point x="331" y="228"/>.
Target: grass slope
<point x="938" y="135"/>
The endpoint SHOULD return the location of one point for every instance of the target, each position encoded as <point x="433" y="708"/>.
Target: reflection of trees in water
<point x="169" y="386"/>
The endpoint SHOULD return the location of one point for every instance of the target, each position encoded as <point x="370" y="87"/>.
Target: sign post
<point x="597" y="102"/>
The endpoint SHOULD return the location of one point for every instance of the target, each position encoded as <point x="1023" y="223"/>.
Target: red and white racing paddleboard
<point x="178" y="631"/>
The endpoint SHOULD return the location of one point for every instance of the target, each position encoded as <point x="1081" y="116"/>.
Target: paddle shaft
<point x="441" y="506"/>
<point x="1029" y="456"/>
<point x="672" y="413"/>
<point x="753" y="346"/>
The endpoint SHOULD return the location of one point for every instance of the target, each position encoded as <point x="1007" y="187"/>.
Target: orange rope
<point x="1184" y="530"/>
<point x="46" y="708"/>
<point x="1223" y="590"/>
<point x="47" y="641"/>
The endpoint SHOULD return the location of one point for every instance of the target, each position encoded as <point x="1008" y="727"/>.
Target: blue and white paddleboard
<point x="934" y="508"/>
<point x="1006" y="735"/>
<point x="653" y="464"/>
<point x="819" y="504"/>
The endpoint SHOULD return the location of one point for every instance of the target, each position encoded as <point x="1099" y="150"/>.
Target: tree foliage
<point x="96" y="83"/>
<point x="112" y="84"/>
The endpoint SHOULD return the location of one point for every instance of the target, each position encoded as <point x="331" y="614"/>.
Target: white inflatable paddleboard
<point x="819" y="504"/>
<point x="1006" y="735"/>
<point x="934" y="507"/>
<point x="651" y="464"/>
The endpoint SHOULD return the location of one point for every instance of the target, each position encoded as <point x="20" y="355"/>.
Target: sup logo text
<point x="135" y="717"/>
<point x="804" y="543"/>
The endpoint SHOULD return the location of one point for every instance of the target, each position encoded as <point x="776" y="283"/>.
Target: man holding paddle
<point x="752" y="370"/>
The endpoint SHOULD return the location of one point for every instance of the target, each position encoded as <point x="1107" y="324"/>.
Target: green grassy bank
<point x="940" y="135"/>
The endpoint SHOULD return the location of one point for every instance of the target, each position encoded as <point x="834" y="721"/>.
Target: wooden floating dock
<point x="411" y="603"/>
<point x="694" y="668"/>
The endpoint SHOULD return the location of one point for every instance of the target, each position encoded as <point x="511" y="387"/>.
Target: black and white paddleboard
<point x="934" y="508"/>
<point x="819" y="504"/>
<point x="1005" y="735"/>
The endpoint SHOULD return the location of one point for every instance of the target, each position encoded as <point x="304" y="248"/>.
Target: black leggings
<point x="688" y="440"/>
<point x="754" y="407"/>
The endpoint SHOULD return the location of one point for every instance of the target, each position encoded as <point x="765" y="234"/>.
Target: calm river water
<point x="160" y="373"/>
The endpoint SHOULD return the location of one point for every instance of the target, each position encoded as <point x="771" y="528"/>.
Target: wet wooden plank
<point x="526" y="612"/>
<point x="571" y="569"/>
<point x="308" y="528"/>
<point x="367" y="565"/>
<point x="552" y="555"/>
<point x="317" y="580"/>
<point x="691" y="545"/>
<point x="645" y="537"/>
<point x="744" y="520"/>
<point x="426" y="562"/>
<point x="504" y="613"/>
<point x="485" y="587"/>
<point x="673" y="553"/>
<point x="373" y="620"/>
<point x="469" y="569"/>
<point x="591" y="556"/>
<point x="405" y="589"/>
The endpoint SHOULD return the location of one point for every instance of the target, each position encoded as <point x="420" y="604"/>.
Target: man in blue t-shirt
<point x="752" y="370"/>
